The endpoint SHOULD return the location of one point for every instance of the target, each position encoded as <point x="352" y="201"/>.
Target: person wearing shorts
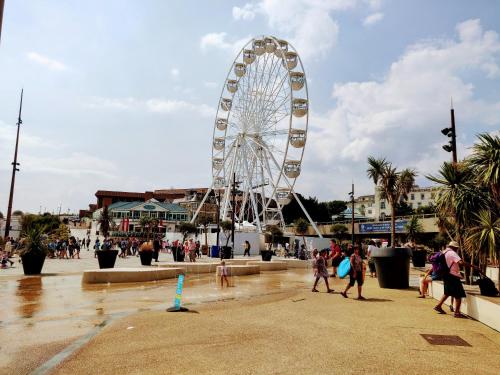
<point x="336" y="254"/>
<point x="355" y="274"/>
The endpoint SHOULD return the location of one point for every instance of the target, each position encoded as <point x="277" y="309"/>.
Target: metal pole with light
<point x="352" y="214"/>
<point x="2" y="3"/>
<point x="451" y="133"/>
<point x="233" y="214"/>
<point x="14" y="170"/>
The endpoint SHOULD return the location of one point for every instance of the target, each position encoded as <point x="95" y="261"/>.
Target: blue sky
<point x="121" y="95"/>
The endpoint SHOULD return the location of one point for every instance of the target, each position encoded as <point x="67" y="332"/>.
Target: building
<point x="127" y="215"/>
<point x="107" y="197"/>
<point x="374" y="207"/>
<point x="192" y="200"/>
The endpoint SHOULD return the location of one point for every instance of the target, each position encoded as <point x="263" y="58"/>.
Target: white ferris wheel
<point x="260" y="133"/>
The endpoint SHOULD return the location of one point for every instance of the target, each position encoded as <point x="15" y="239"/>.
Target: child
<point x="355" y="274"/>
<point x="5" y="259"/>
<point x="223" y="274"/>
<point x="320" y="270"/>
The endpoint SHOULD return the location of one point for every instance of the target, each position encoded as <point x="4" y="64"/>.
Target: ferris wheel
<point x="260" y="133"/>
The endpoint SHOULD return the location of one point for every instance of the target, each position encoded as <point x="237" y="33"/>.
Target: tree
<point x="395" y="185"/>
<point x="339" y="231"/>
<point x="1" y="215"/>
<point x="413" y="227"/>
<point x="49" y="222"/>
<point x="17" y="213"/>
<point x="274" y="231"/>
<point x="484" y="237"/>
<point x="105" y="221"/>
<point x="145" y="223"/>
<point x="429" y="209"/>
<point x="301" y="226"/>
<point x="403" y="209"/>
<point x="186" y="228"/>
<point x="485" y="162"/>
<point x="226" y="227"/>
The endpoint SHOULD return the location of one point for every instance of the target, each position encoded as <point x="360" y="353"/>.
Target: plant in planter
<point x="106" y="257"/>
<point x="34" y="249"/>
<point x="301" y="226"/>
<point x="226" y="227"/>
<point x="273" y="231"/>
<point x="392" y="264"/>
<point x="413" y="228"/>
<point x="146" y="253"/>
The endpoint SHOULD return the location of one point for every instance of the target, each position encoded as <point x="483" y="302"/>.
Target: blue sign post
<point x="178" y="296"/>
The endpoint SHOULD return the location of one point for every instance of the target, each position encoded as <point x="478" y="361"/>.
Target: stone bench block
<point x="192" y="267"/>
<point x="129" y="275"/>
<point x="239" y="270"/>
<point x="295" y="263"/>
<point x="269" y="266"/>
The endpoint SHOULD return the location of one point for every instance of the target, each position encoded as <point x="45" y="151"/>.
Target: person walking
<point x="355" y="274"/>
<point x="156" y="248"/>
<point x="320" y="270"/>
<point x="192" y="250"/>
<point x="452" y="279"/>
<point x="223" y="274"/>
<point x="246" y="248"/>
<point x="336" y="254"/>
<point x="371" y="262"/>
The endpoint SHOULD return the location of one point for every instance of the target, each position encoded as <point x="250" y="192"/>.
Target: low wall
<point x="239" y="270"/>
<point x="129" y="275"/>
<point x="483" y="309"/>
<point x="268" y="266"/>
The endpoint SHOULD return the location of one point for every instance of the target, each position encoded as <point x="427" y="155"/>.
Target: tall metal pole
<point x="453" y="135"/>
<point x="218" y="217"/>
<point x="14" y="169"/>
<point x="352" y="215"/>
<point x="234" y="214"/>
<point x="2" y="2"/>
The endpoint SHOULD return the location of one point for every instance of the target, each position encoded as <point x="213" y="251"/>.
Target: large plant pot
<point x="33" y="263"/>
<point x="393" y="267"/>
<point x="178" y="254"/>
<point x="226" y="252"/>
<point x="107" y="258"/>
<point x="146" y="257"/>
<point x="418" y="258"/>
<point x="266" y="255"/>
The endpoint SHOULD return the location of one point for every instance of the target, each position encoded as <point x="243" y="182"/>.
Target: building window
<point x="153" y="214"/>
<point x="161" y="215"/>
<point x="369" y="212"/>
<point x="422" y="196"/>
<point x="412" y="197"/>
<point x="419" y="204"/>
<point x="382" y="205"/>
<point x="136" y="214"/>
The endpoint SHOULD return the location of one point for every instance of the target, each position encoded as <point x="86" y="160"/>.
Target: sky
<point x="122" y="95"/>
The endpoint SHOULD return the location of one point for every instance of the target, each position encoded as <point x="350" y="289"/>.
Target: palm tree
<point x="483" y="238"/>
<point x="146" y="222"/>
<point x="301" y="226"/>
<point x="393" y="184"/>
<point x="105" y="221"/>
<point x="339" y="230"/>
<point x="413" y="227"/>
<point x="485" y="162"/>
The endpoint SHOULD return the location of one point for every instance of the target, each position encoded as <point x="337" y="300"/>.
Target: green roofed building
<point x="127" y="215"/>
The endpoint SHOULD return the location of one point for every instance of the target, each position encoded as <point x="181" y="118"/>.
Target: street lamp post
<point x="14" y="169"/>
<point x="352" y="214"/>
<point x="451" y="133"/>
<point x="2" y="2"/>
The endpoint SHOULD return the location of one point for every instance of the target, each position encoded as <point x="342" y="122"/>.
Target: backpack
<point x="487" y="287"/>
<point x="439" y="265"/>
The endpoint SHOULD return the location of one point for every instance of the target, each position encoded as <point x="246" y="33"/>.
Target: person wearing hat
<point x="452" y="284"/>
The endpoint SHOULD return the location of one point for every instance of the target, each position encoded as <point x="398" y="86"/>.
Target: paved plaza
<point x="267" y="323"/>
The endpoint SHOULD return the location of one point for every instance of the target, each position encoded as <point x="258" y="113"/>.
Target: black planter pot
<point x="178" y="254"/>
<point x="146" y="257"/>
<point x="107" y="258"/>
<point x="266" y="255"/>
<point x="226" y="252"/>
<point x="33" y="263"/>
<point x="418" y="258"/>
<point x="393" y="267"/>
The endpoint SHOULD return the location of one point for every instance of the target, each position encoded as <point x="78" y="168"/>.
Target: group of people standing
<point x="356" y="273"/>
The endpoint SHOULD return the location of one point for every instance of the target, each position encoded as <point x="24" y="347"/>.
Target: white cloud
<point x="210" y="85"/>
<point x="176" y="106"/>
<point x="220" y="41"/>
<point x="174" y="73"/>
<point x="307" y="24"/>
<point x="247" y="12"/>
<point x="372" y="19"/>
<point x="401" y="115"/>
<point x="44" y="60"/>
<point x="155" y="105"/>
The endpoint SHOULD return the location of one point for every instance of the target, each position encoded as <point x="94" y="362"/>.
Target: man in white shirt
<point x="452" y="279"/>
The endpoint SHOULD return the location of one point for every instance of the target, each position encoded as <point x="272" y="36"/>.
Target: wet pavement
<point x="42" y="315"/>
